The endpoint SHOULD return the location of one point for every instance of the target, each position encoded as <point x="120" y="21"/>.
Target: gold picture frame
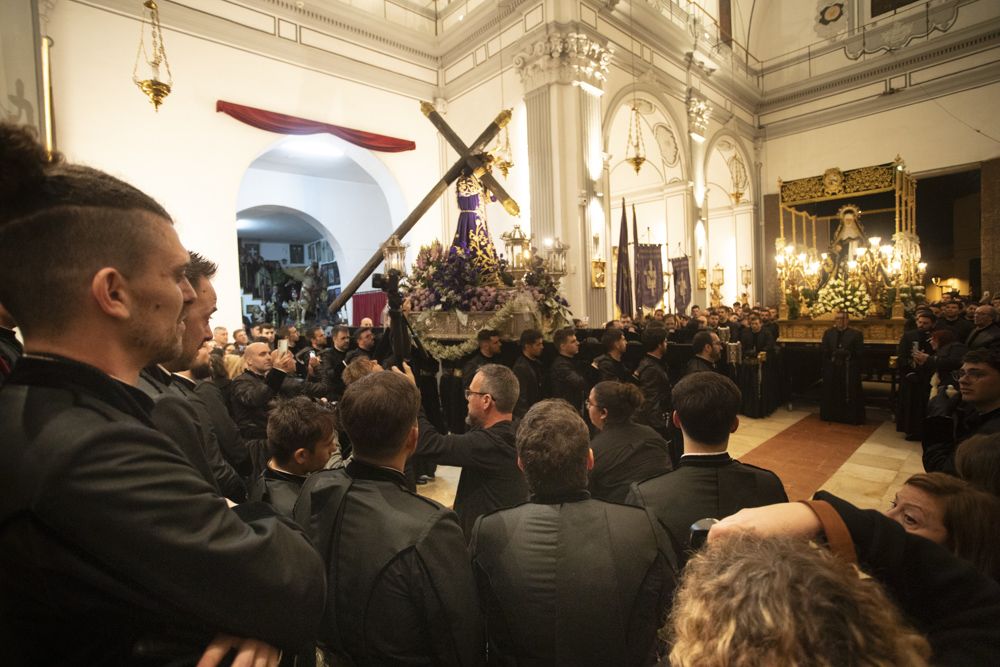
<point x="702" y="278"/>
<point x="598" y="273"/>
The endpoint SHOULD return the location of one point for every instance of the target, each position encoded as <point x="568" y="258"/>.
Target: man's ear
<point x="109" y="290"/>
<point x="675" y="419"/>
<point x="736" y="425"/>
<point x="301" y="455"/>
<point x="411" y="440"/>
<point x="520" y="463"/>
<point x="590" y="459"/>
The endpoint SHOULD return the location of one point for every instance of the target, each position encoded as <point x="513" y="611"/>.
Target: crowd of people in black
<point x="164" y="504"/>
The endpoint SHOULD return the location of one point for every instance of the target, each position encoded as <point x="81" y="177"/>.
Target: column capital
<point x="565" y="57"/>
<point x="699" y="110"/>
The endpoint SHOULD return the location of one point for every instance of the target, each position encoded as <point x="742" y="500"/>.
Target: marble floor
<point x="863" y="464"/>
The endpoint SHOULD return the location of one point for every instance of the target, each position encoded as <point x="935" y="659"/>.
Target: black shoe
<point x="423" y="479"/>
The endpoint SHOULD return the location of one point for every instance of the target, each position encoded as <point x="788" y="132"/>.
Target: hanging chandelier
<point x="151" y="80"/>
<point x="501" y="153"/>
<point x="635" y="153"/>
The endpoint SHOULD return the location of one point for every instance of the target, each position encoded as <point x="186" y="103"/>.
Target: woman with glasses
<point x="624" y="451"/>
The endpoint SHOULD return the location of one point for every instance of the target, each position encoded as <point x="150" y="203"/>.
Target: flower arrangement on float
<point x="449" y="298"/>
<point x="839" y="294"/>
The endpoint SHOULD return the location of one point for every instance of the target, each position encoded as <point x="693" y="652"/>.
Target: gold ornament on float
<point x="152" y="82"/>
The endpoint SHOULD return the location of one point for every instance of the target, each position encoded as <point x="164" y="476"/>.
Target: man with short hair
<point x="654" y="381"/>
<point x="979" y="412"/>
<point x="952" y="319"/>
<point x="365" y="341"/>
<point x="842" y="347"/>
<point x="452" y="397"/>
<point x="708" y="483"/>
<point x="301" y="438"/>
<point x="401" y="589"/>
<point x="707" y="352"/>
<point x="609" y="365"/>
<point x="490" y="477"/>
<point x="220" y="338"/>
<point x="267" y="374"/>
<point x="567" y="579"/>
<point x="757" y="338"/>
<point x="114" y="549"/>
<point x="307" y="360"/>
<point x="528" y="370"/>
<point x="332" y="361"/>
<point x="241" y="341"/>
<point x="915" y="381"/>
<point x="986" y="332"/>
<point x="267" y="334"/>
<point x="564" y="380"/>
<point x="188" y="422"/>
<point x="488" y="341"/>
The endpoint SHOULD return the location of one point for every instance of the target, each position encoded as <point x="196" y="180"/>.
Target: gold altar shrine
<point x="847" y="268"/>
<point x="875" y="331"/>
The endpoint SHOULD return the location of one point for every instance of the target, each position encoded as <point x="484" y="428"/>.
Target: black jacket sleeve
<point x="956" y="608"/>
<point x="164" y="528"/>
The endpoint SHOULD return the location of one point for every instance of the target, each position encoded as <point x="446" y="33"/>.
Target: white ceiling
<point x="312" y="155"/>
<point x="275" y="227"/>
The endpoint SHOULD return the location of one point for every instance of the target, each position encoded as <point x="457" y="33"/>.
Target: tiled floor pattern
<point x="863" y="464"/>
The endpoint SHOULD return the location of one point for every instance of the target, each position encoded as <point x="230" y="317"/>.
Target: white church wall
<point x="928" y="135"/>
<point x="193" y="159"/>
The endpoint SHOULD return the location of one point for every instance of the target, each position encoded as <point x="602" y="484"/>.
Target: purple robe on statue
<point x="472" y="236"/>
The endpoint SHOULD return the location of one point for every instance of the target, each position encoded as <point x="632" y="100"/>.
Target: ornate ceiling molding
<point x="564" y="57"/>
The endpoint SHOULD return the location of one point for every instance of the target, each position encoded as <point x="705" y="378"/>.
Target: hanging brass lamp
<point x="155" y="80"/>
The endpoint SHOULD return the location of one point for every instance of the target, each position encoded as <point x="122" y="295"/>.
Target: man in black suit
<point x="953" y="317"/>
<point x="568" y="580"/>
<point x="708" y="483"/>
<point x="987" y="331"/>
<point x="651" y="374"/>
<point x="490" y="476"/>
<point x="400" y="587"/>
<point x="707" y="351"/>
<point x="528" y="370"/>
<point x="914" y="384"/>
<point x="841" y="348"/>
<point x="564" y="380"/>
<point x="610" y="365"/>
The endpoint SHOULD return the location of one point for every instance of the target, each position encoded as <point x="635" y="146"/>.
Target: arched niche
<point x="729" y="200"/>
<point x="345" y="190"/>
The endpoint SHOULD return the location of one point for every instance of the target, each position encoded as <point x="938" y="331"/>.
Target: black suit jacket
<point x="401" y="589"/>
<point x="490" y="477"/>
<point x="530" y="381"/>
<point x="108" y="536"/>
<point x="702" y="487"/>
<point x="623" y="454"/>
<point x="566" y="382"/>
<point x="572" y="581"/>
<point x="654" y="382"/>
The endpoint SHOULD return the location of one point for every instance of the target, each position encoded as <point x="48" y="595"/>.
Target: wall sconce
<point x="153" y="83"/>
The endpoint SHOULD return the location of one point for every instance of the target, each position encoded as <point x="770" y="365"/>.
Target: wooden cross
<point x="470" y="159"/>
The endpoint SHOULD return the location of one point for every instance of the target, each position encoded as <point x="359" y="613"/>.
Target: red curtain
<point x="283" y="124"/>
<point x="368" y="304"/>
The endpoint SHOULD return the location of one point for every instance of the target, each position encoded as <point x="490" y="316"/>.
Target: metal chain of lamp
<point x="151" y="81"/>
<point x="635" y="150"/>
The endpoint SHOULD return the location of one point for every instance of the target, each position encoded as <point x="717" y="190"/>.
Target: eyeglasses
<point x="972" y="374"/>
<point x="469" y="392"/>
<point x="587" y="405"/>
